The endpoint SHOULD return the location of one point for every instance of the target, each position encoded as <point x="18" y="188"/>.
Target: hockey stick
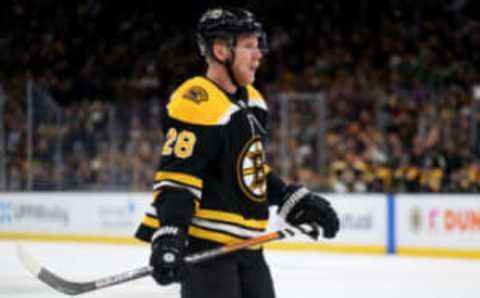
<point x="75" y="288"/>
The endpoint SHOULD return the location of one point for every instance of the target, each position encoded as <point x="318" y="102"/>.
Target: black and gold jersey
<point x="214" y="150"/>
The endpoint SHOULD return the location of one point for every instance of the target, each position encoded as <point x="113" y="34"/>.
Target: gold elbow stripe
<point x="231" y="218"/>
<point x="151" y="222"/>
<point x="179" y="177"/>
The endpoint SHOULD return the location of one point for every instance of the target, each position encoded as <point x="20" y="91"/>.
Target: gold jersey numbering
<point x="251" y="171"/>
<point x="179" y="143"/>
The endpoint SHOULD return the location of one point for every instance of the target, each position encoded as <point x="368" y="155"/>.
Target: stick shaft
<point x="75" y="288"/>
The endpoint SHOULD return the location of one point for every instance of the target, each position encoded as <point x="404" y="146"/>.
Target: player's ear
<point x="220" y="50"/>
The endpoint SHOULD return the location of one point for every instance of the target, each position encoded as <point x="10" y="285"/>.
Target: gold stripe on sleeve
<point x="151" y="222"/>
<point x="179" y="177"/>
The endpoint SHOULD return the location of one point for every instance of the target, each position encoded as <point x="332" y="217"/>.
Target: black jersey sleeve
<point x="186" y="153"/>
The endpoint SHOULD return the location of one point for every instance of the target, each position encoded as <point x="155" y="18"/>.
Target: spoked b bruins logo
<point x="251" y="171"/>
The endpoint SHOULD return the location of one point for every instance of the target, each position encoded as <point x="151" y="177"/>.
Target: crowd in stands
<point x="396" y="79"/>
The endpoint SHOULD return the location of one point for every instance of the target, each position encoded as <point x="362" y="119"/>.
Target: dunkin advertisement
<point x="438" y="221"/>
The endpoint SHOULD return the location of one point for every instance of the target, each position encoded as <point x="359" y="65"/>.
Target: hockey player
<point x="213" y="185"/>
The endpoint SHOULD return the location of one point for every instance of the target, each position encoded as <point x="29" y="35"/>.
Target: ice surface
<point x="296" y="274"/>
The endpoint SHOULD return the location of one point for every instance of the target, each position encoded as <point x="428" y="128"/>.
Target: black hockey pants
<point x="243" y="274"/>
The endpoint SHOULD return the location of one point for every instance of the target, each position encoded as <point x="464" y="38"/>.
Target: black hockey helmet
<point x="227" y="24"/>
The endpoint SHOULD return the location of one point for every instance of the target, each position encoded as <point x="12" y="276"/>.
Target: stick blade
<point x="28" y="261"/>
<point x="49" y="278"/>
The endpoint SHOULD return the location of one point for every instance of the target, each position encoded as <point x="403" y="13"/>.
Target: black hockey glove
<point x="168" y="249"/>
<point x="301" y="206"/>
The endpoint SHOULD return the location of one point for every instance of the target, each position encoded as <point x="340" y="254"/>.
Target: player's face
<point x="247" y="59"/>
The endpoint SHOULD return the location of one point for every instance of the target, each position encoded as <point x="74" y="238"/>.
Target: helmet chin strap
<point x="229" y="67"/>
<point x="228" y="64"/>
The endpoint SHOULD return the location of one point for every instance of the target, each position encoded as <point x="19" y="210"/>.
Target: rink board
<point x="438" y="225"/>
<point x="422" y="225"/>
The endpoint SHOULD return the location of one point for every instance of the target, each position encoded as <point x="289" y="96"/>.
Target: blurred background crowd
<point x="379" y="96"/>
